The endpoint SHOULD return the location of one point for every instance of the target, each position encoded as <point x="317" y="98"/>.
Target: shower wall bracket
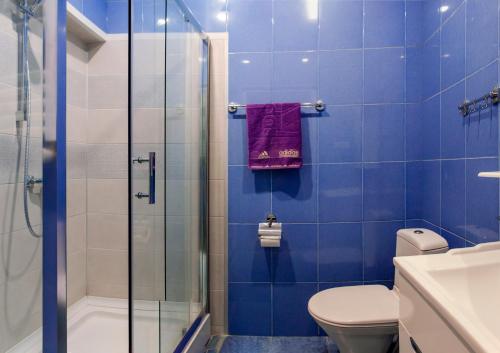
<point x="34" y="185"/>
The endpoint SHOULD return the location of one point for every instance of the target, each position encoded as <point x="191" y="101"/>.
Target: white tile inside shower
<point x="20" y="252"/>
<point x="218" y="181"/>
<point x="107" y="183"/>
<point x="76" y="170"/>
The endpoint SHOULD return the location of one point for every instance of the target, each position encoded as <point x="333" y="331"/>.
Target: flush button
<point x="418" y="231"/>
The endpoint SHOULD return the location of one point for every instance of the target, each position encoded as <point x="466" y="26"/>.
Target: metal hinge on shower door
<point x="151" y="195"/>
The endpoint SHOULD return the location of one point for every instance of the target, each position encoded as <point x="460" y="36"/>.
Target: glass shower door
<point x="168" y="139"/>
<point x="186" y="175"/>
<point x="147" y="174"/>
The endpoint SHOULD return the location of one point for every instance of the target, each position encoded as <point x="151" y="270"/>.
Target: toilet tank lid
<point x="423" y="239"/>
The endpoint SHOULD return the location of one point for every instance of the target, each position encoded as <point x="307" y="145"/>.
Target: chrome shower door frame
<point x="54" y="177"/>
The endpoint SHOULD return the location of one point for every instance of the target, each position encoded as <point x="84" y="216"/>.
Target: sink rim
<point x="470" y="327"/>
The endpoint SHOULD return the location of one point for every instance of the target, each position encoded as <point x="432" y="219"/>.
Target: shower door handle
<point x="152" y="178"/>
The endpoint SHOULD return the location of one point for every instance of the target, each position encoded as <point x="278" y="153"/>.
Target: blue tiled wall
<point x="117" y="13"/>
<point x="342" y="209"/>
<point x="94" y="10"/>
<point x="211" y="14"/>
<point x="112" y="15"/>
<point x="456" y="61"/>
<point x="149" y="16"/>
<point x="391" y="151"/>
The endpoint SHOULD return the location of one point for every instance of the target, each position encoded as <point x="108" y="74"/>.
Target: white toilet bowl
<point x="364" y="319"/>
<point x="360" y="319"/>
<point x="374" y="339"/>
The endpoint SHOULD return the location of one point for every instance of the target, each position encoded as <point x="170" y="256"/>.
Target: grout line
<point x="382" y="162"/>
<point x="273" y="63"/>
<point x="440" y="121"/>
<point x="314" y="223"/>
<point x="441" y="23"/>
<point x="463" y="80"/>
<point x="316" y="156"/>
<point x="309" y="282"/>
<point x="318" y="96"/>
<point x="363" y="116"/>
<point x="310" y="50"/>
<point x="466" y="216"/>
<point x="405" y="110"/>
<point x="498" y="78"/>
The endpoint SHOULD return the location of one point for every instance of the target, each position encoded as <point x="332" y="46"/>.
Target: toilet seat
<point x="356" y="307"/>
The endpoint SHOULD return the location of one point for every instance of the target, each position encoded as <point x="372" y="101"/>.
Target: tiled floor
<point x="250" y="344"/>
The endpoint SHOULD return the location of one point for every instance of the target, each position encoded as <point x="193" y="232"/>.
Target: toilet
<point x="364" y="319"/>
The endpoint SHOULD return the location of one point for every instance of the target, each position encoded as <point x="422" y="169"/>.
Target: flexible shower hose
<point x="28" y="180"/>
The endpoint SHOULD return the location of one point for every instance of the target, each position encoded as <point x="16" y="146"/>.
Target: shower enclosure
<point x="69" y="278"/>
<point x="168" y="149"/>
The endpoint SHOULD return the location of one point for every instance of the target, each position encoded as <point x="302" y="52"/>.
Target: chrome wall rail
<point x="320" y="106"/>
<point x="478" y="104"/>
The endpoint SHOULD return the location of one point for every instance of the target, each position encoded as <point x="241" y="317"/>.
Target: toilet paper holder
<point x="270" y="232"/>
<point x="270" y="219"/>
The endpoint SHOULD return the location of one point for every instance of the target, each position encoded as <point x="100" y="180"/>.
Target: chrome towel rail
<point x="320" y="106"/>
<point x="478" y="104"/>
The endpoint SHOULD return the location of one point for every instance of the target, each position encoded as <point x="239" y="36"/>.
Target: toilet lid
<point x="356" y="306"/>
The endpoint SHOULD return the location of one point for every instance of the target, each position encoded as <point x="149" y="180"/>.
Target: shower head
<point x="30" y="6"/>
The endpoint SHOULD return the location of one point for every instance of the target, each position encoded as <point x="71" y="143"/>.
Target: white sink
<point x="463" y="286"/>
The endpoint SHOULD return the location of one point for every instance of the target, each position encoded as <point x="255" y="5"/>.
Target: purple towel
<point x="274" y="136"/>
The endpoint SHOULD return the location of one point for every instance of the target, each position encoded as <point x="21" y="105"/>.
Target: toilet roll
<point x="270" y="232"/>
<point x="270" y="242"/>
<point x="270" y="237"/>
